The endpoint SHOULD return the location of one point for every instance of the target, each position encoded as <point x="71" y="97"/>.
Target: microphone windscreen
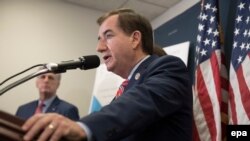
<point x="90" y="62"/>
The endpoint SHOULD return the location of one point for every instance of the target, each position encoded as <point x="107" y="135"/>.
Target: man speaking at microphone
<point x="155" y="104"/>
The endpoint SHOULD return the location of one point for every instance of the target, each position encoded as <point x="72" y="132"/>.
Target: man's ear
<point x="136" y="39"/>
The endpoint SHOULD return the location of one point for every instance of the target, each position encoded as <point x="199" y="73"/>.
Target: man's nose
<point x="46" y="78"/>
<point x="101" y="46"/>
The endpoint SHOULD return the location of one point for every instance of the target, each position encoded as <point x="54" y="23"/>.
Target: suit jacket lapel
<point x="53" y="106"/>
<point x="140" y="71"/>
<point x="33" y="108"/>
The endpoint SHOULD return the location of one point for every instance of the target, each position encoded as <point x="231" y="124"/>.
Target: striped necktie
<point x="121" y="88"/>
<point x="39" y="108"/>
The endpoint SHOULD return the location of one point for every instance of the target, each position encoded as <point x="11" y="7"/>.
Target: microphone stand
<point x="24" y="79"/>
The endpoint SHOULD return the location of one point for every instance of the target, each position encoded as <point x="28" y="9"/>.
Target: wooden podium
<point x="10" y="127"/>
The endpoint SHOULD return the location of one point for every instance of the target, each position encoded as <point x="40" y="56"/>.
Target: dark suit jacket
<point x="155" y="107"/>
<point x="57" y="106"/>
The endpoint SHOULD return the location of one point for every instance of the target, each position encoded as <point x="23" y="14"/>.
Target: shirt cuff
<point x="86" y="129"/>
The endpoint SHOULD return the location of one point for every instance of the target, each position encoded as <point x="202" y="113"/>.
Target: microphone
<point x="84" y="63"/>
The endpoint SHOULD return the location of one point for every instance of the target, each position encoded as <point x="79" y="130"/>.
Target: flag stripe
<point x="206" y="98"/>
<point x="195" y="132"/>
<point x="215" y="59"/>
<point x="201" y="126"/>
<point x="232" y="107"/>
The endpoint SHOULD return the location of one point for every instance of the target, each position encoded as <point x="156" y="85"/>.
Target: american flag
<point x="211" y="83"/>
<point x="239" y="95"/>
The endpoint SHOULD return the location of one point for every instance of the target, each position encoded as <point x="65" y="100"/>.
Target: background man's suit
<point x="57" y="106"/>
<point x="155" y="106"/>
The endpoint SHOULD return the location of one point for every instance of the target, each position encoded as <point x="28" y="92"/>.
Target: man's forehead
<point x="49" y="74"/>
<point x="109" y="25"/>
<point x="110" y="21"/>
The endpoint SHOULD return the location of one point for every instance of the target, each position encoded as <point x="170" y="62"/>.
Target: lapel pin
<point x="137" y="76"/>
